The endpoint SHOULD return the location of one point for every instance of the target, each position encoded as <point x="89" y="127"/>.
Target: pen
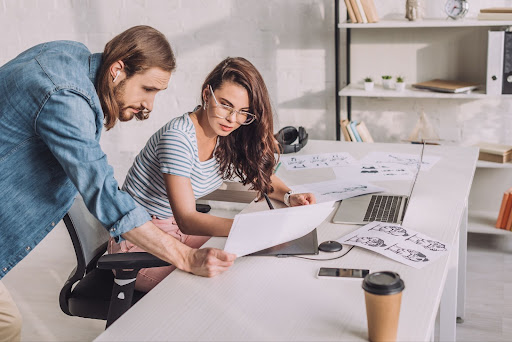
<point x="277" y="167"/>
<point x="268" y="202"/>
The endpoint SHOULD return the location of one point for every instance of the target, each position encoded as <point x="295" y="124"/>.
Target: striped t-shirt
<point x="171" y="150"/>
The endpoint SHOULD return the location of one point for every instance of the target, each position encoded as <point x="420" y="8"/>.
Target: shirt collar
<point x="94" y="66"/>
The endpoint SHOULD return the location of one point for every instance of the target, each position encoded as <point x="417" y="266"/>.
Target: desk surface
<point x="269" y="298"/>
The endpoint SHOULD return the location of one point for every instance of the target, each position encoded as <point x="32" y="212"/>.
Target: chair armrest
<point x="135" y="260"/>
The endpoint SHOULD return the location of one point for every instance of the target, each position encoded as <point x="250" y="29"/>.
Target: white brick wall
<point x="290" y="41"/>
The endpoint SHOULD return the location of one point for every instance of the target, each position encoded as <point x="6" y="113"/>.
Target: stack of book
<point x="504" y="217"/>
<point x="496" y="153"/>
<point x="447" y="86"/>
<point x="362" y="11"/>
<point x="495" y="13"/>
<point x="355" y="131"/>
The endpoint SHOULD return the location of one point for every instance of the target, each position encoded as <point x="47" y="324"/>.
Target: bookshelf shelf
<point x="357" y="90"/>
<point x="432" y="48"/>
<point x="483" y="222"/>
<point x="491" y="165"/>
<point x="397" y="22"/>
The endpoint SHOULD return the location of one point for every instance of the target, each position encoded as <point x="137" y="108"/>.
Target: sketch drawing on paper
<point x="319" y="161"/>
<point x="345" y="190"/>
<point x="409" y="254"/>
<point x="368" y="241"/>
<point x="297" y="163"/>
<point x="391" y="229"/>
<point x="432" y="245"/>
<point x="338" y="160"/>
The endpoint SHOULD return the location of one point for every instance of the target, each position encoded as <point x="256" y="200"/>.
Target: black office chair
<point x="91" y="290"/>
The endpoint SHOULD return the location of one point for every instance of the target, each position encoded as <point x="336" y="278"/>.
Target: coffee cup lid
<point x="383" y="283"/>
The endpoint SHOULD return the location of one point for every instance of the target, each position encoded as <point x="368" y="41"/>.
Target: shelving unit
<point x="434" y="42"/>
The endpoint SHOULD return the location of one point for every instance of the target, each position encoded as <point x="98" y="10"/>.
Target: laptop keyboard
<point x="383" y="208"/>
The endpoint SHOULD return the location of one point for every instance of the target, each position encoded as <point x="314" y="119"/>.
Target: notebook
<point x="447" y="86"/>
<point x="306" y="245"/>
<point x="383" y="207"/>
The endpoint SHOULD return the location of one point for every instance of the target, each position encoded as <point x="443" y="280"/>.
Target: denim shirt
<point x="50" y="125"/>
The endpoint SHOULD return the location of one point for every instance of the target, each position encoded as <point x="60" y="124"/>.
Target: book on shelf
<point x="355" y="131"/>
<point x="370" y="10"/>
<point x="447" y="86"/>
<point x="364" y="133"/>
<point x="497" y="153"/>
<point x="507" y="64"/>
<point x="501" y="214"/>
<point x="355" y="8"/>
<point x="495" y="55"/>
<point x="504" y="220"/>
<point x="496" y="10"/>
<point x="361" y="11"/>
<point x="344" y="124"/>
<point x="494" y="16"/>
<point x="350" y="11"/>
<point x="353" y="127"/>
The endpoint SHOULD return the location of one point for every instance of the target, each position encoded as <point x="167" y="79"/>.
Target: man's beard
<point x="124" y="113"/>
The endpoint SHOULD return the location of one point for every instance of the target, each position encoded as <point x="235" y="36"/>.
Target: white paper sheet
<point x="253" y="232"/>
<point x="336" y="190"/>
<point x="409" y="160"/>
<point x="374" y="172"/>
<point x="398" y="243"/>
<point x="314" y="161"/>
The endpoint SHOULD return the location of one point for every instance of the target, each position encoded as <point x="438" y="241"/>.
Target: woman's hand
<point x="302" y="199"/>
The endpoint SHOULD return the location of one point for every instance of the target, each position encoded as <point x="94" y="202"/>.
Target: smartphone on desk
<point x="336" y="273"/>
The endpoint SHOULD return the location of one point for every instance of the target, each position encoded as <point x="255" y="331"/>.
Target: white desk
<point x="268" y="298"/>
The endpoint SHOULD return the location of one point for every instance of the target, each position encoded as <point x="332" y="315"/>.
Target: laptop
<point x="383" y="207"/>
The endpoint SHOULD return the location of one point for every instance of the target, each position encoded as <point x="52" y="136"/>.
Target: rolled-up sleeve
<point x="70" y="125"/>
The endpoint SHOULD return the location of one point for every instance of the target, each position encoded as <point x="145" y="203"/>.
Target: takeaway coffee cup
<point x="383" y="295"/>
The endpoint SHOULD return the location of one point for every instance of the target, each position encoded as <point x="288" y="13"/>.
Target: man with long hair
<point x="54" y="99"/>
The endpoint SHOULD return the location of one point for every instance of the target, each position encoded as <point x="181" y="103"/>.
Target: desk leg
<point x="448" y="305"/>
<point x="463" y="251"/>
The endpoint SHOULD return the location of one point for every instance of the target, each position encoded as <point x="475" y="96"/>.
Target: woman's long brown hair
<point x="248" y="152"/>
<point x="140" y="48"/>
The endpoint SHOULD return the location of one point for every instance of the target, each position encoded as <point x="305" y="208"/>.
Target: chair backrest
<point x="88" y="235"/>
<point x="89" y="240"/>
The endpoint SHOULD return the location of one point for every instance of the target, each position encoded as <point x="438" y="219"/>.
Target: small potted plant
<point x="387" y="82"/>
<point x="368" y="84"/>
<point x="400" y="84"/>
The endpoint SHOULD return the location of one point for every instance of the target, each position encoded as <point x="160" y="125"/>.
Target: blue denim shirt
<point x="50" y="125"/>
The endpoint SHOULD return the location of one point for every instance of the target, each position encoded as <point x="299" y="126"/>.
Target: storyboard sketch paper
<point x="408" y="160"/>
<point x="314" y="161"/>
<point x="374" y="172"/>
<point x="336" y="190"/>
<point x="253" y="232"/>
<point x="398" y="243"/>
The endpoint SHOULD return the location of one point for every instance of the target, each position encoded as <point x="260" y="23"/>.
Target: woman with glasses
<point x="230" y="136"/>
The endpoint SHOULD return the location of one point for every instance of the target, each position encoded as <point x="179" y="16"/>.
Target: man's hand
<point x="208" y="262"/>
<point x="302" y="199"/>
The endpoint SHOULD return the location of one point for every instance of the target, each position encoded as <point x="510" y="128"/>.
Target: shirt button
<point x="4" y="269"/>
<point x="27" y="248"/>
<point x="113" y="230"/>
<point x="53" y="224"/>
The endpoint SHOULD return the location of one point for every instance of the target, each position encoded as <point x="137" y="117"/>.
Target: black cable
<point x="301" y="257"/>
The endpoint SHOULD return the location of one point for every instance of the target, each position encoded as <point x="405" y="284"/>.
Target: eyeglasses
<point x="223" y="112"/>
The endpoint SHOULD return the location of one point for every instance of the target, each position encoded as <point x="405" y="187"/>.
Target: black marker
<point x="268" y="202"/>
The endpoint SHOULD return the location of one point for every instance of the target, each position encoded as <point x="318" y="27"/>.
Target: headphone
<point x="287" y="136"/>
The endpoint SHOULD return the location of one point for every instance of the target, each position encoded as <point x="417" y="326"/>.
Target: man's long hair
<point x="140" y="48"/>
<point x="248" y="152"/>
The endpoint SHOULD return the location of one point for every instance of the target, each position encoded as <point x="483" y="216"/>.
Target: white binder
<point x="495" y="46"/>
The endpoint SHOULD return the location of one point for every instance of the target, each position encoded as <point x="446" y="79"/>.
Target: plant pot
<point x="368" y="86"/>
<point x="387" y="84"/>
<point x="400" y="86"/>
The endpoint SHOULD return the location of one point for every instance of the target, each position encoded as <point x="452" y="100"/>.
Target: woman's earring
<point x="117" y="75"/>
<point x="204" y="105"/>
